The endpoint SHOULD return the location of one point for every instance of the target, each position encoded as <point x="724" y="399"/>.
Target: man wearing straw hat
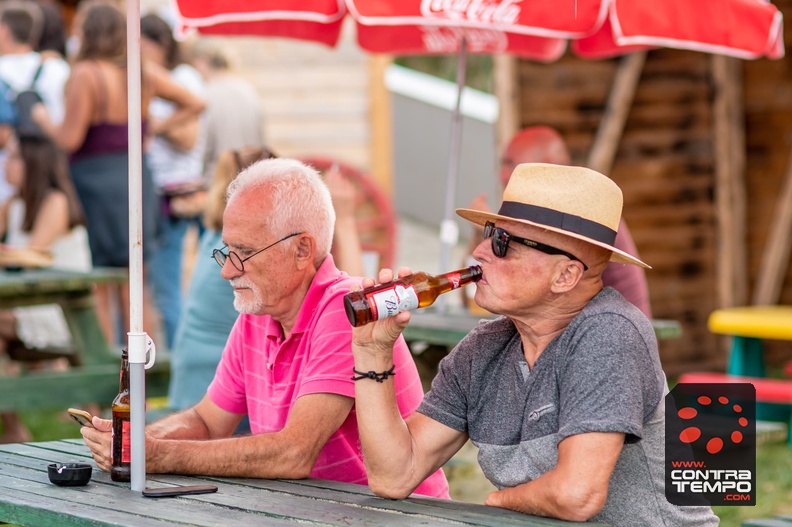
<point x="563" y="394"/>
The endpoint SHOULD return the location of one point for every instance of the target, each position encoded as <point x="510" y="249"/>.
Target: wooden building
<point x="702" y="160"/>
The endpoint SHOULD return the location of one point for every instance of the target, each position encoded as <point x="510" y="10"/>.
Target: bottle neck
<point x="459" y="278"/>
<point x="123" y="383"/>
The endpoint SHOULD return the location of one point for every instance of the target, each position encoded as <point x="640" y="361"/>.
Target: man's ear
<point x="305" y="250"/>
<point x="568" y="274"/>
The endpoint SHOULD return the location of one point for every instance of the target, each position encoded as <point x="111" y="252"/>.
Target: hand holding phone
<point x="82" y="417"/>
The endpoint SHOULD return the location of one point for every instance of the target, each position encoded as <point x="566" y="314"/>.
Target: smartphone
<point x="82" y="417"/>
<point x="163" y="492"/>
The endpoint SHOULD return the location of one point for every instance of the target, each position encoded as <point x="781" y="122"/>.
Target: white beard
<point x="247" y="305"/>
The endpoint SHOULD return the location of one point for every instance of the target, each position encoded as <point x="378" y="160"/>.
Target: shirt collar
<point x="326" y="275"/>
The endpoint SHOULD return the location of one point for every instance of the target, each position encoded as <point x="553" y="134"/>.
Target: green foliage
<point x="478" y="70"/>
<point x="49" y="425"/>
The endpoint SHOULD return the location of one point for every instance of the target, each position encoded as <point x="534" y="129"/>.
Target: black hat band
<point x="559" y="220"/>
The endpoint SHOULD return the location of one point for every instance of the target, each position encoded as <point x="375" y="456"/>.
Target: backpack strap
<point x="37" y="74"/>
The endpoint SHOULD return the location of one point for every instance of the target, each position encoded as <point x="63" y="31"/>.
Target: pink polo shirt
<point x="262" y="375"/>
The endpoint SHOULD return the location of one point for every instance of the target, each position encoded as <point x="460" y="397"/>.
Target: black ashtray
<point x="69" y="474"/>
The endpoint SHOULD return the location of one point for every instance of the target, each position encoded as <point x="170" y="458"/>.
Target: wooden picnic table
<point x="27" y="498"/>
<point x="447" y="329"/>
<point x="95" y="379"/>
<point x="431" y="335"/>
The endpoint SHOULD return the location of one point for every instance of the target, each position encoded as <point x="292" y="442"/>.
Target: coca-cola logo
<point x="444" y="40"/>
<point x="479" y="11"/>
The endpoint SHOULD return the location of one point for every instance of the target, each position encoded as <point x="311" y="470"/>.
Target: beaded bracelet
<point x="379" y="377"/>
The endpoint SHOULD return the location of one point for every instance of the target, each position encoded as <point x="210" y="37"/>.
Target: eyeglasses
<point x="501" y="239"/>
<point x="239" y="262"/>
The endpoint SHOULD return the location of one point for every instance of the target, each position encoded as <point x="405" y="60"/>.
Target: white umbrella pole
<point x="137" y="338"/>
<point x="449" y="231"/>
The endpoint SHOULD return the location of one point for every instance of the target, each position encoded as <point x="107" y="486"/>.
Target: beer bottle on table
<point x="121" y="453"/>
<point x="404" y="294"/>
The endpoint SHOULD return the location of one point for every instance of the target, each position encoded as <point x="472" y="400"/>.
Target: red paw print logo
<point x="714" y="445"/>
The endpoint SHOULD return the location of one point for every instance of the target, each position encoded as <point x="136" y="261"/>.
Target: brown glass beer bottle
<point x="121" y="453"/>
<point x="404" y="294"/>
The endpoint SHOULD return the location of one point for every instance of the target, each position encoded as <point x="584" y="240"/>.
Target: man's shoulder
<point x="55" y="67"/>
<point x="489" y="336"/>
<point x="188" y="77"/>
<point x="341" y="286"/>
<point x="11" y="64"/>
<point x="609" y="307"/>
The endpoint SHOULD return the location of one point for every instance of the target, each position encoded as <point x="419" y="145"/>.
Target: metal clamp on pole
<point x="139" y="346"/>
<point x="142" y="349"/>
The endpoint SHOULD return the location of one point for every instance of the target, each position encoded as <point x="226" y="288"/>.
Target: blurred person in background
<point x="208" y="312"/>
<point x="95" y="134"/>
<point x="44" y="216"/>
<point x="52" y="42"/>
<point x="176" y="158"/>
<point x="22" y="25"/>
<point x="233" y="117"/>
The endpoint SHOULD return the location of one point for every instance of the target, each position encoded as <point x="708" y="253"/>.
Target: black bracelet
<point x="379" y="377"/>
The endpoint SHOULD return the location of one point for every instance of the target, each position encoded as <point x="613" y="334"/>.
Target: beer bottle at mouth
<point x="404" y="294"/>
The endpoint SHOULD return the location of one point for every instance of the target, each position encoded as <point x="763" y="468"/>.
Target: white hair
<point x="299" y="200"/>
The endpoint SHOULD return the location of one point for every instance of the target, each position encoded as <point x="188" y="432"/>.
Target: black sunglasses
<point x="239" y="262"/>
<point x="501" y="239"/>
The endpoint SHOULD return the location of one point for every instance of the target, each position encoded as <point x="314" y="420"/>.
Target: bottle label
<point x="392" y="301"/>
<point x="454" y="279"/>
<point x="126" y="442"/>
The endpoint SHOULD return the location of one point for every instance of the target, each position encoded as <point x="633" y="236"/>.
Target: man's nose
<point x="228" y="271"/>
<point x="483" y="250"/>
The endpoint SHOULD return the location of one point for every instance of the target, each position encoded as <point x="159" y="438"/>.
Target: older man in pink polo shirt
<point x="288" y="360"/>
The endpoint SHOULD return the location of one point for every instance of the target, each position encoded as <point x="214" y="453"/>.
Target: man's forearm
<point x="186" y="424"/>
<point x="386" y="440"/>
<point x="553" y="496"/>
<point x="256" y="456"/>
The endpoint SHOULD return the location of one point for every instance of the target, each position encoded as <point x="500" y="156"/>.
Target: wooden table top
<point x="449" y="328"/>
<point x="47" y="280"/>
<point x="28" y="498"/>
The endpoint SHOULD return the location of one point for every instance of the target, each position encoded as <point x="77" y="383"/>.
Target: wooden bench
<point x="777" y="521"/>
<point x="773" y="396"/>
<point x="95" y="379"/>
<point x="777" y="391"/>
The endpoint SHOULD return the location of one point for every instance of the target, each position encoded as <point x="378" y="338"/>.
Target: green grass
<point x="774" y="486"/>
<point x="49" y="425"/>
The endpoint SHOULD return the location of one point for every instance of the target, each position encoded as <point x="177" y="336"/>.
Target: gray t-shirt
<point x="602" y="374"/>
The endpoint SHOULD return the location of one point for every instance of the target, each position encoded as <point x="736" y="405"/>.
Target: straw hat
<point x="574" y="201"/>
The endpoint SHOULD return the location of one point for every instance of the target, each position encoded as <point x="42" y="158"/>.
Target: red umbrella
<point x="315" y="20"/>
<point x="536" y="29"/>
<point x="598" y="28"/>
